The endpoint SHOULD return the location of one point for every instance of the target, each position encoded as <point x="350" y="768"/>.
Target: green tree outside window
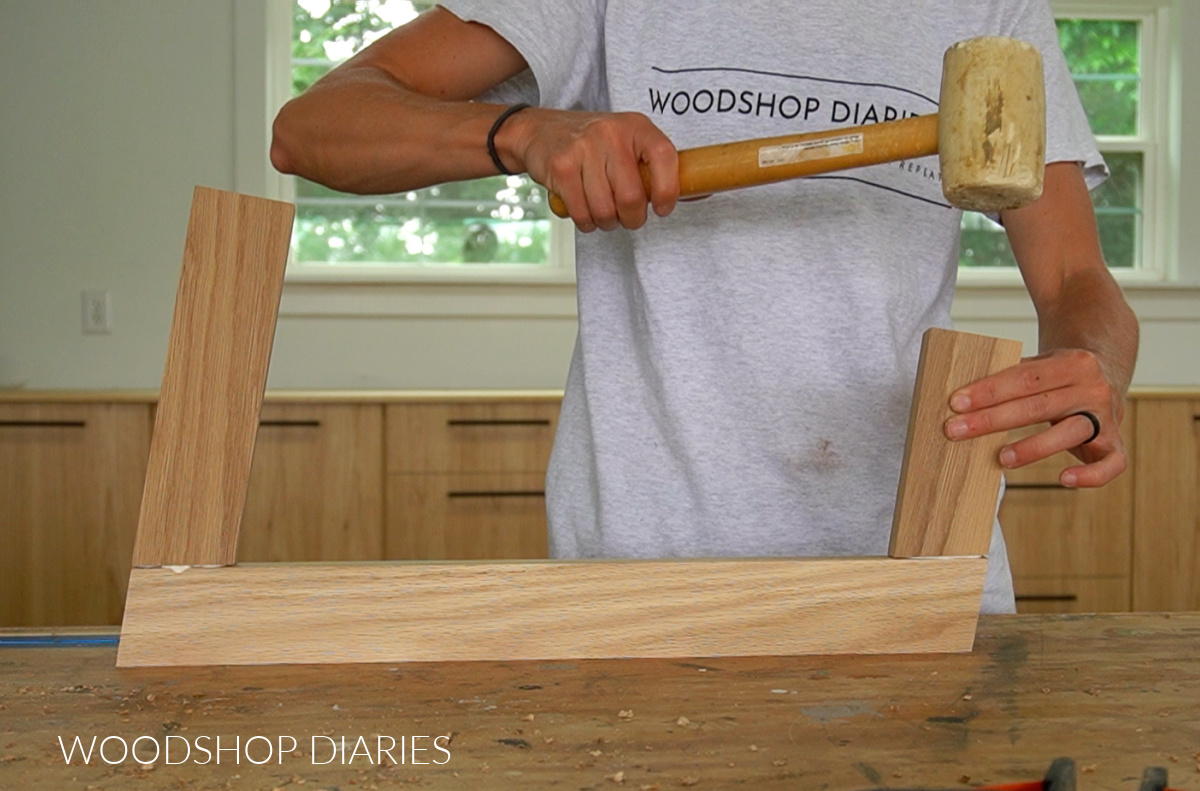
<point x="501" y="219"/>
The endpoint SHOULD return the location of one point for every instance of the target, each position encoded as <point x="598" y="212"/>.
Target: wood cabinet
<point x="71" y="479"/>
<point x="466" y="480"/>
<point x="1070" y="549"/>
<point x="1166" y="537"/>
<point x="367" y="476"/>
<point x="316" y="484"/>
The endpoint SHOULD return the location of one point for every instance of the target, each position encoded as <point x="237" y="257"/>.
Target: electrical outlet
<point x="97" y="313"/>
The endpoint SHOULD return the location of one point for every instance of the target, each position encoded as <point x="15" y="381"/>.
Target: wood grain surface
<point x="1116" y="693"/>
<point x="394" y="612"/>
<point x="70" y="481"/>
<point x="480" y="516"/>
<point x="992" y="124"/>
<point x="469" y="438"/>
<point x="316" y="485"/>
<point x="946" y="502"/>
<point x="1166" y="539"/>
<point x="213" y="382"/>
<point x="705" y="170"/>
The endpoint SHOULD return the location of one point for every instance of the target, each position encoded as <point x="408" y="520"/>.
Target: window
<point x="497" y="228"/>
<point x="1113" y="53"/>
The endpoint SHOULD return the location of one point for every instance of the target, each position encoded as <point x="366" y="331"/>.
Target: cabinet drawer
<point x="466" y="517"/>
<point x="316" y="484"/>
<point x="70" y="488"/>
<point x="1053" y="531"/>
<point x="469" y="438"/>
<point x="1078" y="594"/>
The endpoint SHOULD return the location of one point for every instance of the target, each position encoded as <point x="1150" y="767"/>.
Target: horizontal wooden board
<point x="395" y="612"/>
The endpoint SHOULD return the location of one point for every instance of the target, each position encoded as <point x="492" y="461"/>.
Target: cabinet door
<point x="71" y="479"/>
<point x="466" y="517"/>
<point x="316" y="485"/>
<point x="1166" y="554"/>
<point x="1070" y="549"/>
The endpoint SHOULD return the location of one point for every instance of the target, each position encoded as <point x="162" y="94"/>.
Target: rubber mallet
<point x="989" y="135"/>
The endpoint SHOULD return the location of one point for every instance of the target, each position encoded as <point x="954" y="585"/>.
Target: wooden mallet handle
<point x="991" y="126"/>
<point x="746" y="163"/>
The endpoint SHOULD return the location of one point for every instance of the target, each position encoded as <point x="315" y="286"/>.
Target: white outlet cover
<point x="96" y="307"/>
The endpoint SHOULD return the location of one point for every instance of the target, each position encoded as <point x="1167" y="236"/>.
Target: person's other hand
<point x="1051" y="387"/>
<point x="592" y="161"/>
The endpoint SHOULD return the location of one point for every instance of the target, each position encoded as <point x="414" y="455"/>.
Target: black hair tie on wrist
<point x="491" y="138"/>
<point x="1095" y="425"/>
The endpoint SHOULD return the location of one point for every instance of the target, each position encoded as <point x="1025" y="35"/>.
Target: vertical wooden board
<point x="216" y="370"/>
<point x="946" y="501"/>
<point x="1166" y="532"/>
<point x="316" y="485"/>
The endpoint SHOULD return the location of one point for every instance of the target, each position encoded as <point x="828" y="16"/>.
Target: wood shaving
<point x="683" y="722"/>
<point x="1087" y="770"/>
<point x="617" y="778"/>
<point x="528" y="718"/>
<point x="625" y="714"/>
<point x="689" y="781"/>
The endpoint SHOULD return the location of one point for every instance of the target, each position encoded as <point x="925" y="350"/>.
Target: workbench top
<point x="1117" y="693"/>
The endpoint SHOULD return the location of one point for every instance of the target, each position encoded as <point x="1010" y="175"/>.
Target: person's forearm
<point x="1090" y="313"/>
<point x="359" y="130"/>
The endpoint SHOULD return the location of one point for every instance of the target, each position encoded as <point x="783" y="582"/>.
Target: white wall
<point x="111" y="110"/>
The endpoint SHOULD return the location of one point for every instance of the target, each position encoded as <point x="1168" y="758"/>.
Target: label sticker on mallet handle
<point x="826" y="148"/>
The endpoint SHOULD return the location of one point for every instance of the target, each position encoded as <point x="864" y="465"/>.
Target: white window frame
<point x="1155" y="140"/>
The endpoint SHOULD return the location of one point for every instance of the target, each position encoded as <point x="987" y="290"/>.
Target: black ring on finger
<point x="1095" y="425"/>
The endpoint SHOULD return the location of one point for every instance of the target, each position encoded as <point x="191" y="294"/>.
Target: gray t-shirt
<point x="744" y="367"/>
